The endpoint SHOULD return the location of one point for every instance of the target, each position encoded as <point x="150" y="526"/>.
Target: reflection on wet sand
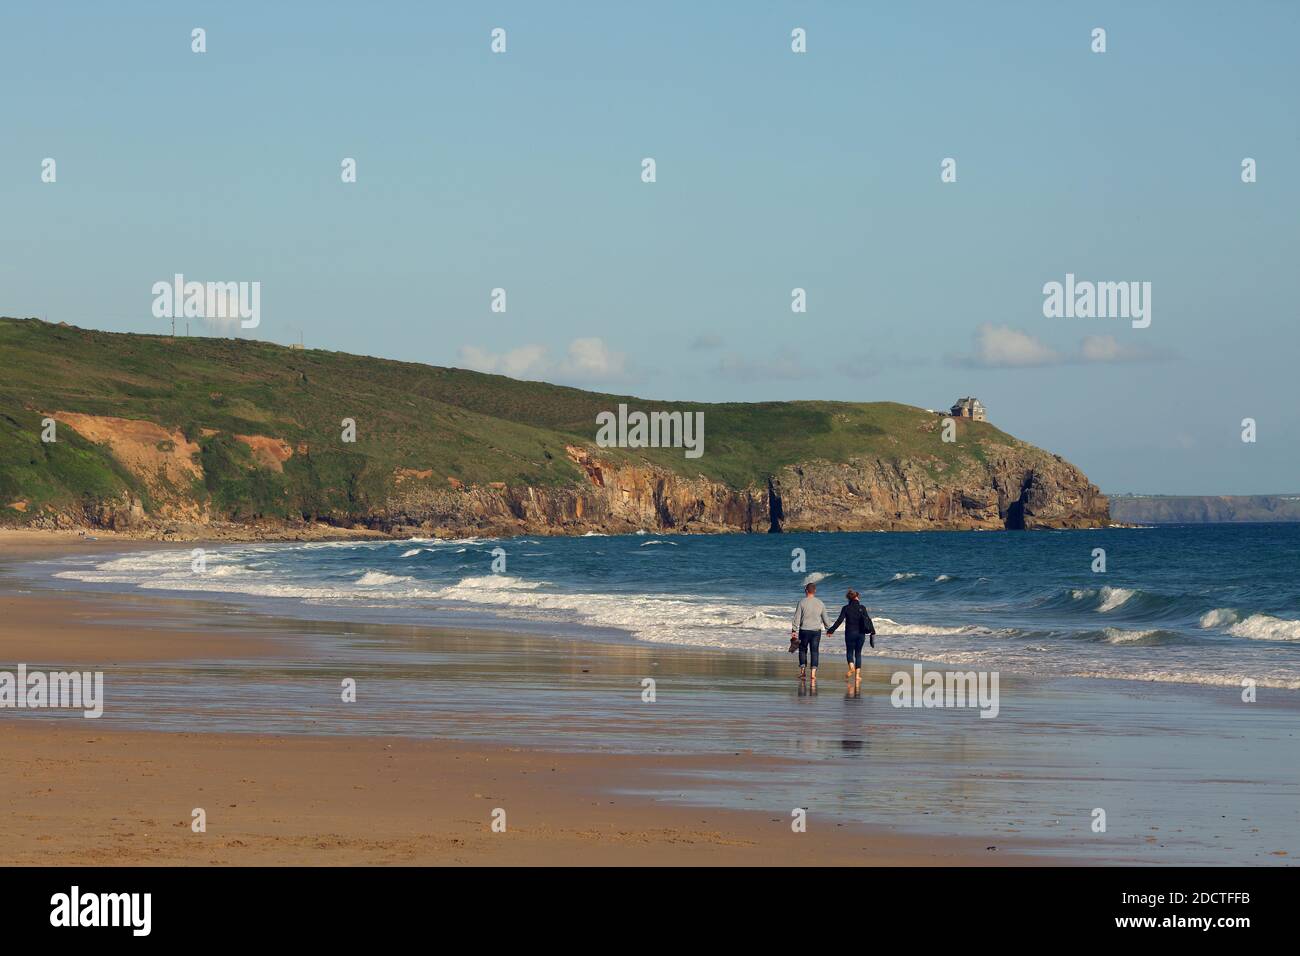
<point x="1056" y="750"/>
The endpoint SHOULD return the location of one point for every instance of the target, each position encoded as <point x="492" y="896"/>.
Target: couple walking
<point x="810" y="618"/>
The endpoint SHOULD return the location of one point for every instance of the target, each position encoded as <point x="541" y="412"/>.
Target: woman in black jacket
<point x="857" y="628"/>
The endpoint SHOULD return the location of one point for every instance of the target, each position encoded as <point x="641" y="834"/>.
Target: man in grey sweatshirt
<point x="809" y="619"/>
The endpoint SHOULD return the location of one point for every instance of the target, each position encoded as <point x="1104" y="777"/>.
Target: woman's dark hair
<point x="852" y="595"/>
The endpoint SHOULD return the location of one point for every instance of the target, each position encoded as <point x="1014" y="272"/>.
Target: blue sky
<point x="775" y="170"/>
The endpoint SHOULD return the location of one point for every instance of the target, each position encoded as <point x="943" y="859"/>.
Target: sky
<point x="774" y="170"/>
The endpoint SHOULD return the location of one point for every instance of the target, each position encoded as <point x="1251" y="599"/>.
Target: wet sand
<point x="449" y="725"/>
<point x="90" y="792"/>
<point x="82" y="796"/>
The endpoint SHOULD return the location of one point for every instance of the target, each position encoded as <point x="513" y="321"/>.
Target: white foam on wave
<point x="1265" y="627"/>
<point x="434" y="541"/>
<point x="224" y="574"/>
<point x="712" y="620"/>
<point x="255" y="585"/>
<point x="646" y="544"/>
<point x="1218" y="617"/>
<point x="1191" y="677"/>
<point x="488" y="587"/>
<point x="231" y="570"/>
<point x="1112" y="598"/>
<point x="816" y="576"/>
<point x="887" y="626"/>
<point x="1030" y="659"/>
<point x="1115" y="635"/>
<point x="323" y="545"/>
<point x="700" y="620"/>
<point x="371" y="578"/>
<point x="943" y="577"/>
<point x="905" y="575"/>
<point x="759" y="618"/>
<point x="657" y="618"/>
<point x="412" y="552"/>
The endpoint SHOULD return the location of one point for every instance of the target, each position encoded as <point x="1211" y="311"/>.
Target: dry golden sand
<point x="75" y="791"/>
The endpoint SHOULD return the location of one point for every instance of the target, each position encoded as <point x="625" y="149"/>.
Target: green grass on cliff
<point x="68" y="472"/>
<point x="475" y="427"/>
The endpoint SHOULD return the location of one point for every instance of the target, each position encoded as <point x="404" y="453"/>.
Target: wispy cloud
<point x="1001" y="346"/>
<point x="517" y="363"/>
<point x="785" y="367"/>
<point x="585" y="360"/>
<point x="1106" y="348"/>
<point x="865" y="365"/>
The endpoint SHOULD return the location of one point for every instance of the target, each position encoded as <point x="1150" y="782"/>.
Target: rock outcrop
<point x="1008" y="484"/>
<point x="1011" y="489"/>
<point x="1031" y="490"/>
<point x="214" y="436"/>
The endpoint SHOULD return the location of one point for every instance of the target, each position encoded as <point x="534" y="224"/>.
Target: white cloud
<point x="1099" y="348"/>
<point x="1106" y="348"/>
<point x="1000" y="346"/>
<point x="585" y="360"/>
<point x="592" y="359"/>
<point x="517" y="363"/>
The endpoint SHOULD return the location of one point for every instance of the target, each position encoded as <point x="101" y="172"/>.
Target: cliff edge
<point x="209" y="437"/>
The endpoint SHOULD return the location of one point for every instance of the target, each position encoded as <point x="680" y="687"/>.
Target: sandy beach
<point x="300" y="800"/>
<point x="81" y="796"/>
<point x="239" y="714"/>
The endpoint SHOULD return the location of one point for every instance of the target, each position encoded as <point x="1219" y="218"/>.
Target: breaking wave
<point x="1032" y="608"/>
<point x="1265" y="627"/>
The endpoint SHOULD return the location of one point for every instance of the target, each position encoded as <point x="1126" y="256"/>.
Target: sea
<point x="1203" y="604"/>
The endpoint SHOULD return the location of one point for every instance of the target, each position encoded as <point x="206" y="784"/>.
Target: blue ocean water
<point x="1206" y="604"/>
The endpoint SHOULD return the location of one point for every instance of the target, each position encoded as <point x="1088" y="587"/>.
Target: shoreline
<point x="360" y="799"/>
<point x="28" y="545"/>
<point x="232" y="533"/>
<point x="729" y="733"/>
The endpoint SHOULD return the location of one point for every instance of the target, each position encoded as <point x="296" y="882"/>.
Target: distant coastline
<point x="1203" y="509"/>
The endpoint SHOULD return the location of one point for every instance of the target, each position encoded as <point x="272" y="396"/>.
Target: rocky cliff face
<point x="1010" y="486"/>
<point x="1011" y="490"/>
<point x="216" y="437"/>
